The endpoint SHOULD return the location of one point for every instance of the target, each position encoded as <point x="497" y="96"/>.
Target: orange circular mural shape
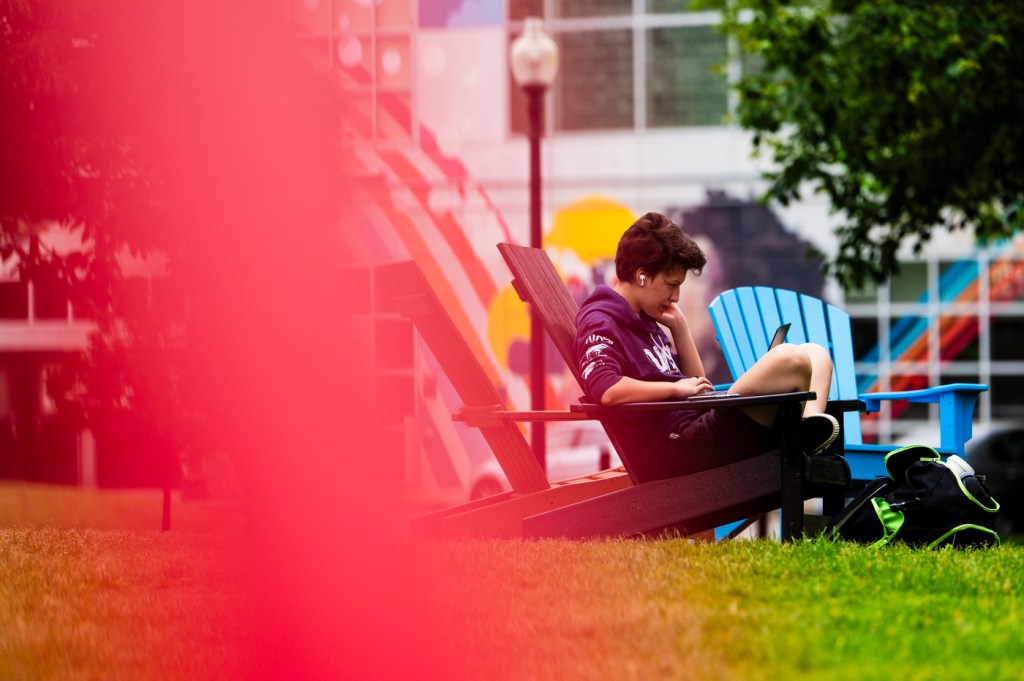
<point x="590" y="227"/>
<point x="506" y="320"/>
<point x="583" y="233"/>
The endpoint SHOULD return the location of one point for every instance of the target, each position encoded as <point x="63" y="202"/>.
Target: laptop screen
<point x="780" y="335"/>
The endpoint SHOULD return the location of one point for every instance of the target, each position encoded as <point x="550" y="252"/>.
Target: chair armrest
<point x="836" y="407"/>
<point x="490" y="415"/>
<point x="872" y="401"/>
<point x="595" y="409"/>
<point x="479" y="417"/>
<point x="956" y="409"/>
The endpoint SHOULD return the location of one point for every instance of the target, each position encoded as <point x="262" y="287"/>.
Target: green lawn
<point x="732" y="610"/>
<point x="91" y="589"/>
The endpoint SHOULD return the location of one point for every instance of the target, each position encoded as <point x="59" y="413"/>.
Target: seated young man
<point x="625" y="356"/>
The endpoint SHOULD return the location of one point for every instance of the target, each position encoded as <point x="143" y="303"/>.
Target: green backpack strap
<point x="899" y="460"/>
<point x="891" y="520"/>
<point x="856" y="522"/>
<point x="976" y="535"/>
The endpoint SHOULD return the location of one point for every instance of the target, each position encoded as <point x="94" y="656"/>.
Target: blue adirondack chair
<point x="745" y="319"/>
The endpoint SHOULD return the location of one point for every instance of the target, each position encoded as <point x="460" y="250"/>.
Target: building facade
<point x="637" y="120"/>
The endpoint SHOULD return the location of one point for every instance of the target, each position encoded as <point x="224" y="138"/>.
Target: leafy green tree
<point x="60" y="164"/>
<point x="197" y="131"/>
<point x="68" y="161"/>
<point x="906" y="115"/>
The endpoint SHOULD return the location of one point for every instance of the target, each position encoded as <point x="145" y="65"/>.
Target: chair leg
<point x="793" y="473"/>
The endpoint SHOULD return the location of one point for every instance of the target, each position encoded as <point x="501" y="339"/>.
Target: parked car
<point x="573" y="449"/>
<point x="998" y="454"/>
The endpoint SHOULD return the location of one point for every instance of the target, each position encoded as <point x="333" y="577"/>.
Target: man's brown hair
<point x="654" y="244"/>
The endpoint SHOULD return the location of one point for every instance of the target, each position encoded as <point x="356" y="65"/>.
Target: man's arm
<point x="690" y="363"/>
<point x="601" y="364"/>
<point x="631" y="390"/>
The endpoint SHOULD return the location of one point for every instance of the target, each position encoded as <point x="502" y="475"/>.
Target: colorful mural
<point x="451" y="13"/>
<point x="961" y="282"/>
<point x="421" y="124"/>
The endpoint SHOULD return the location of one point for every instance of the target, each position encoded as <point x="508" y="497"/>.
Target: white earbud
<point x="643" y="279"/>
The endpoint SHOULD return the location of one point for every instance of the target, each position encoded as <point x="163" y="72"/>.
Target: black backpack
<point x="923" y="502"/>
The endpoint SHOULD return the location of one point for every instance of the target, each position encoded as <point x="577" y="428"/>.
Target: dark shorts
<point x="716" y="438"/>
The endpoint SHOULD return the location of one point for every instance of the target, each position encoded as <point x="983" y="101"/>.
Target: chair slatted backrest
<point x="745" y="319"/>
<point x="415" y="299"/>
<point x="539" y="284"/>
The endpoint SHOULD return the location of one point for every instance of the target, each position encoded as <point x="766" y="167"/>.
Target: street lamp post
<point x="534" y="60"/>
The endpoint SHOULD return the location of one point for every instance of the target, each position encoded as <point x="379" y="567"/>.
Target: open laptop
<point x="777" y="339"/>
<point x="780" y="335"/>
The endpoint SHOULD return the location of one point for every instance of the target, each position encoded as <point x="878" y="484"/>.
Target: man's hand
<point x="695" y="385"/>
<point x="671" y="316"/>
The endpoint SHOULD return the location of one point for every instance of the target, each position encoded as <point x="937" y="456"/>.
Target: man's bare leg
<point x="821" y="377"/>
<point x="788" y="368"/>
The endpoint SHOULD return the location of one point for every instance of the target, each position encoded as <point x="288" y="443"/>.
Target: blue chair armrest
<point x="956" y="409"/>
<point x="872" y="400"/>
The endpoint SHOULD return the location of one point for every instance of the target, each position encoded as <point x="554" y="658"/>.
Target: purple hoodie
<point x="612" y="341"/>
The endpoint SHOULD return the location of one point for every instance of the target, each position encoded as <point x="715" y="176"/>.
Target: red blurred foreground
<point x="245" y="136"/>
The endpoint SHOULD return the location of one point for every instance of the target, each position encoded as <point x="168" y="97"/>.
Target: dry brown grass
<point x="91" y="589"/>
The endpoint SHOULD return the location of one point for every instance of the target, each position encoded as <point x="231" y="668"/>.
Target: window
<point x="910" y="283"/>
<point x="976" y="331"/>
<point x="668" y="6"/>
<point x="868" y="293"/>
<point x="683" y="88"/>
<point x="1007" y="333"/>
<point x="914" y="412"/>
<point x="865" y="338"/>
<point x="370" y="44"/>
<point x="520" y="9"/>
<point x="908" y="338"/>
<point x="1007" y="396"/>
<point x="1006" y="280"/>
<point x="954" y="377"/>
<point x="955" y="279"/>
<point x="50" y="299"/>
<point x="13" y="300"/>
<point x="591" y="8"/>
<point x="623" y="66"/>
<point x="959" y="339"/>
<point x="594" y="88"/>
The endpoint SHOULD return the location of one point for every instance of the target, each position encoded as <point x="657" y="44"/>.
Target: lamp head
<point x="534" y="55"/>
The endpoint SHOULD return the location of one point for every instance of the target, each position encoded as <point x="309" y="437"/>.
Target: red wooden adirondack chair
<point x="692" y="503"/>
<point x="500" y="515"/>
